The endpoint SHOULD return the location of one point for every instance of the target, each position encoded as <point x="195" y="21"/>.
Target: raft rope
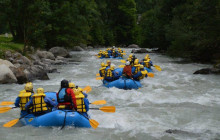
<point x="64" y="122"/>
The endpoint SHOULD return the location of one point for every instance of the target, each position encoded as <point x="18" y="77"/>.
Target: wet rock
<point x="77" y="48"/>
<point x="45" y="54"/>
<point x="19" y="74"/>
<point x="89" y="47"/>
<point x="59" y="51"/>
<point x="36" y="72"/>
<point x="142" y="50"/>
<point x="6" y="75"/>
<point x="83" y="46"/>
<point x="133" y="46"/>
<point x="8" y="54"/>
<point x="6" y="62"/>
<point x="208" y="71"/>
<point x="59" y="62"/>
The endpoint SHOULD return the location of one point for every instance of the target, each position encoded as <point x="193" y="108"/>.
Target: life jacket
<point x="24" y="98"/>
<point x="137" y="69"/>
<point x="80" y="103"/>
<point x="108" y="73"/>
<point x="102" y="71"/>
<point x="38" y="103"/>
<point x="143" y="75"/>
<point x="63" y="96"/>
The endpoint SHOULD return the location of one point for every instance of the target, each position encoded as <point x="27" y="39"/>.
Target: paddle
<point x="121" y="66"/>
<point x="13" y="122"/>
<point x="7" y="103"/>
<point x="99" y="78"/>
<point x="123" y="53"/>
<point x="150" y="75"/>
<point x="109" y="109"/>
<point x="123" y="61"/>
<point x="100" y="102"/>
<point x="157" y="67"/>
<point x="5" y="109"/>
<point x="87" y="89"/>
<point x="92" y="122"/>
<point x="97" y="74"/>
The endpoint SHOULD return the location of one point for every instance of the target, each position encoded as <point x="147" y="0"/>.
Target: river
<point x="174" y="99"/>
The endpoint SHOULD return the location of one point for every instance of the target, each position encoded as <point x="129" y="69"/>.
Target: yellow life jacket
<point x="38" y="102"/>
<point x="143" y="75"/>
<point x="102" y="71"/>
<point x="137" y="69"/>
<point x="24" y="98"/>
<point x="80" y="101"/>
<point x="109" y="73"/>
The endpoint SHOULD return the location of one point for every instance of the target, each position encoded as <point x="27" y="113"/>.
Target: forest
<point x="180" y="28"/>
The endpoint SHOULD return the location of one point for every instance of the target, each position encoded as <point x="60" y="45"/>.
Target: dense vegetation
<point x="185" y="28"/>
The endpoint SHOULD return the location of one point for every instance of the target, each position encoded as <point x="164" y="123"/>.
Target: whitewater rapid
<point x="174" y="99"/>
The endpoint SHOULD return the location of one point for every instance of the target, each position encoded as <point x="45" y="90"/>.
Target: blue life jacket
<point x="63" y="96"/>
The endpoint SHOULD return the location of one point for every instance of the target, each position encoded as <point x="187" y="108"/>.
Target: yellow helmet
<point x="141" y="66"/>
<point x="102" y="64"/>
<point x="130" y="55"/>
<point x="72" y="85"/>
<point x="108" y="61"/>
<point x="40" y="90"/>
<point x="136" y="61"/>
<point x="28" y="86"/>
<point x="129" y="59"/>
<point x="112" y="67"/>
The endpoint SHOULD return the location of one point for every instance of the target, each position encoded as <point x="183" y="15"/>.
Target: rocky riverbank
<point x="20" y="69"/>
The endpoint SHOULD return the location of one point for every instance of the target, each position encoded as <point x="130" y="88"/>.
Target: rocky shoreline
<point x="20" y="69"/>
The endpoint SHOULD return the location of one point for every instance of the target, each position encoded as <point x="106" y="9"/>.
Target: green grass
<point x="6" y="43"/>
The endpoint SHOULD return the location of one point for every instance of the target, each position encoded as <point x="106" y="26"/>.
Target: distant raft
<point x="123" y="83"/>
<point x="57" y="117"/>
<point x="111" y="57"/>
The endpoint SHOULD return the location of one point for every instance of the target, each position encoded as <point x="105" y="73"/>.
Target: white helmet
<point x="127" y="63"/>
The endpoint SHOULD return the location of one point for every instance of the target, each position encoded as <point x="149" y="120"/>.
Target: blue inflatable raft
<point x="57" y="117"/>
<point x="111" y="57"/>
<point x="123" y="83"/>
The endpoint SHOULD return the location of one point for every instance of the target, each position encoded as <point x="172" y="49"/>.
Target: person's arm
<point x="17" y="101"/>
<point x="86" y="95"/>
<point x="50" y="102"/>
<point x="29" y="104"/>
<point x="86" y="102"/>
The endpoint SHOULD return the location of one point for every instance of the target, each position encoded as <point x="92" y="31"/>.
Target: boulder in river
<point x="77" y="48"/>
<point x="142" y="50"/>
<point x="208" y="71"/>
<point x="20" y="74"/>
<point x="45" y="54"/>
<point x="6" y="62"/>
<point x="59" y="51"/>
<point x="6" y="75"/>
<point x="133" y="46"/>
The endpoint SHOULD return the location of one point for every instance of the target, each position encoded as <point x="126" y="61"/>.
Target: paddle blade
<point x="123" y="61"/>
<point x="121" y="66"/>
<point x="110" y="109"/>
<point x="87" y="89"/>
<point x="150" y="75"/>
<point x="97" y="74"/>
<point x="99" y="78"/>
<point x="123" y="53"/>
<point x="7" y="103"/>
<point x="11" y="123"/>
<point x="5" y="109"/>
<point x="100" y="102"/>
<point x="157" y="67"/>
<point x="93" y="123"/>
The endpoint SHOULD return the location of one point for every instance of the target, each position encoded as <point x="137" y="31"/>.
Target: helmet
<point x="28" y="87"/>
<point x="129" y="59"/>
<point x="141" y="66"/>
<point x="40" y="90"/>
<point x="147" y="55"/>
<point x="72" y="85"/>
<point x="127" y="63"/>
<point x="112" y="67"/>
<point x="136" y="61"/>
<point x="64" y="84"/>
<point x="102" y="64"/>
<point x="130" y="55"/>
<point x="108" y="61"/>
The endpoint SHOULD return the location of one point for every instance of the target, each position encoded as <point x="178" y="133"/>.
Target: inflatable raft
<point x="123" y="83"/>
<point x="112" y="57"/>
<point x="57" y="117"/>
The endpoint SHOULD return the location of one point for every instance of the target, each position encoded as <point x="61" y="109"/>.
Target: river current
<point x="174" y="99"/>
